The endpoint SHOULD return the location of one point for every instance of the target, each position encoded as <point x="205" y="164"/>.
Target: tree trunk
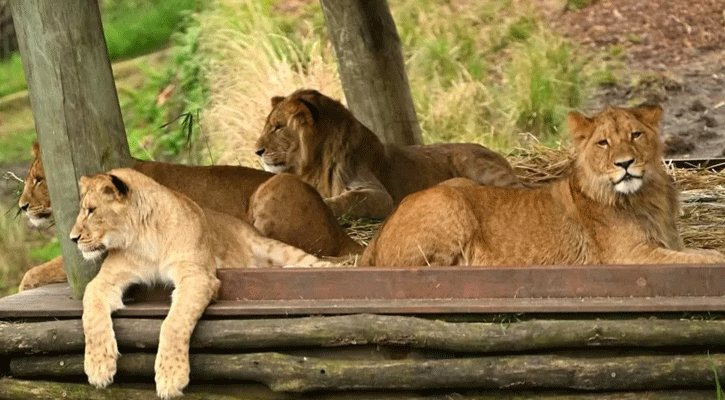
<point x="75" y="107"/>
<point x="287" y="373"/>
<point x="371" y="67"/>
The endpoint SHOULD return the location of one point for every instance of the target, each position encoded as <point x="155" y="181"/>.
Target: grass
<point x="486" y="71"/>
<point x="131" y="28"/>
<point x="12" y="77"/>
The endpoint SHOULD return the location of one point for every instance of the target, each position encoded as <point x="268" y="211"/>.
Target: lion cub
<point x="618" y="206"/>
<point x="154" y="234"/>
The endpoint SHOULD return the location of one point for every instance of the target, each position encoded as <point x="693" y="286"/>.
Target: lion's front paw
<point x="99" y="363"/>
<point x="172" y="375"/>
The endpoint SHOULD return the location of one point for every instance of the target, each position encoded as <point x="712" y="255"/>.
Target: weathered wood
<point x="55" y="301"/>
<point x="15" y="389"/>
<point x="285" y="373"/>
<point x="67" y="336"/>
<point x="75" y="107"/>
<point x="370" y="61"/>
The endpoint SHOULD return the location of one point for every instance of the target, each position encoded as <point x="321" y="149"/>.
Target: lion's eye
<point x="603" y="143"/>
<point x="90" y="210"/>
<point x="37" y="181"/>
<point x="636" y="134"/>
<point x="278" y="127"/>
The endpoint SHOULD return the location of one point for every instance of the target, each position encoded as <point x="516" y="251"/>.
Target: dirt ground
<point x="673" y="54"/>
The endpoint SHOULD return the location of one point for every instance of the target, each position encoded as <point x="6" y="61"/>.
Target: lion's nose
<point x="75" y="238"/>
<point x="259" y="152"/>
<point x="624" y="163"/>
<point x="25" y="206"/>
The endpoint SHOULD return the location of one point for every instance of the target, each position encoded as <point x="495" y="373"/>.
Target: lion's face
<point x="101" y="218"/>
<point x="617" y="149"/>
<point x="35" y="199"/>
<point x="289" y="135"/>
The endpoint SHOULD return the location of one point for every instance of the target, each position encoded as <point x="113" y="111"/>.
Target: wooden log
<point x="370" y="61"/>
<point x="286" y="373"/>
<point x="75" y="107"/>
<point x="15" y="389"/>
<point x="67" y="335"/>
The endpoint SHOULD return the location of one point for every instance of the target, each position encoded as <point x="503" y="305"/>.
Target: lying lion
<point x="618" y="206"/>
<point x="153" y="234"/>
<point x="319" y="140"/>
<point x="279" y="206"/>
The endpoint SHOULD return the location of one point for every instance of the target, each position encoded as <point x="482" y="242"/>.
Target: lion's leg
<point x="102" y="296"/>
<point x="659" y="255"/>
<point x="365" y="197"/>
<point x="195" y="288"/>
<point x="44" y="274"/>
<point x="272" y="253"/>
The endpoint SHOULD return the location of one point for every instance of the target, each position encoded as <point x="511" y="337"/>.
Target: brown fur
<point x="319" y="140"/>
<point x="153" y="234"/>
<point x="279" y="206"/>
<point x="592" y="216"/>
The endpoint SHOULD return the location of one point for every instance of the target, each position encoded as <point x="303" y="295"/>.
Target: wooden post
<point x="75" y="107"/>
<point x="371" y="67"/>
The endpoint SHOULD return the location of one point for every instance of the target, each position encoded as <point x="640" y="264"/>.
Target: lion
<point x="319" y="140"/>
<point x="617" y="206"/>
<point x="280" y="206"/>
<point x="151" y="234"/>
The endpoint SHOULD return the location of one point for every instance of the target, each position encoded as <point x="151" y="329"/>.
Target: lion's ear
<point x="35" y="150"/>
<point x="648" y="114"/>
<point x="312" y="109"/>
<point x="579" y="126"/>
<point x="276" y="100"/>
<point x="120" y="186"/>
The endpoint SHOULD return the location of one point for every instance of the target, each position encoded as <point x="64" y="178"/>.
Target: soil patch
<point x="673" y="54"/>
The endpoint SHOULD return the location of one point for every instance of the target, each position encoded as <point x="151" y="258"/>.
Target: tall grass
<point x="480" y="71"/>
<point x="254" y="54"/>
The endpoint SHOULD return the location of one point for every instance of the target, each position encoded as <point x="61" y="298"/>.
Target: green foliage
<point x="46" y="251"/>
<point x="15" y="146"/>
<point x="12" y="77"/>
<point x="131" y="28"/>
<point x="160" y="115"/>
<point x="134" y="27"/>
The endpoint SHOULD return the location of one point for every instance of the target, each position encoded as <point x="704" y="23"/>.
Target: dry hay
<point x="701" y="222"/>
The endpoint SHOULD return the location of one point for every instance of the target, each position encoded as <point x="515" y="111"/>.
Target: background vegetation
<point x="486" y="71"/>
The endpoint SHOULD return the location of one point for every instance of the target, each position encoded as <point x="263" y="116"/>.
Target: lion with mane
<point x="319" y="140"/>
<point x="617" y="206"/>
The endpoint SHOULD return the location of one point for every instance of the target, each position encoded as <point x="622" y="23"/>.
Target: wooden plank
<point x="55" y="301"/>
<point x="370" y="61"/>
<point x="472" y="282"/>
<point x="75" y="107"/>
<point x="301" y="374"/>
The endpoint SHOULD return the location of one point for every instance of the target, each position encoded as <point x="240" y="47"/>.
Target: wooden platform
<point x="437" y="290"/>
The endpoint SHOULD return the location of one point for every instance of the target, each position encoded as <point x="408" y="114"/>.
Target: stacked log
<point x="625" y="358"/>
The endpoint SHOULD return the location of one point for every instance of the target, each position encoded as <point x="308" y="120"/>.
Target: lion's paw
<point x="99" y="364"/>
<point x="172" y="375"/>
